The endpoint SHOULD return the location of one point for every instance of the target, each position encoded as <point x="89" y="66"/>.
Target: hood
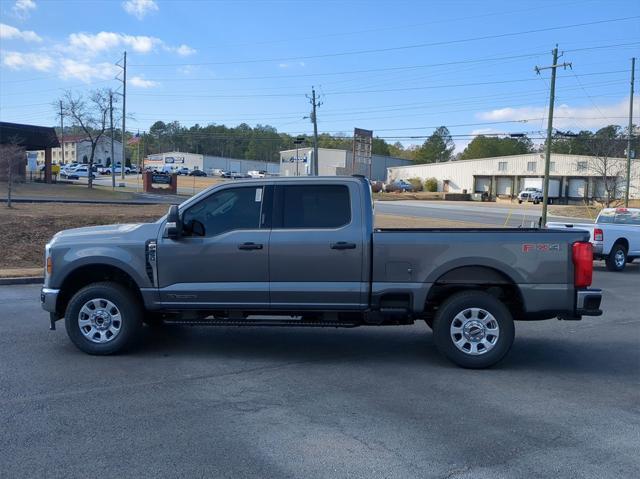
<point x="108" y="233"/>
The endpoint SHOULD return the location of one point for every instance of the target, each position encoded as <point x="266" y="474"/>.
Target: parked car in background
<point x="256" y="173"/>
<point x="530" y="195"/>
<point x="400" y="186"/>
<point x="217" y="172"/>
<point x="118" y="169"/>
<point x="197" y="173"/>
<point x="81" y="172"/>
<point x="226" y="174"/>
<point x="615" y="236"/>
<point x="183" y="170"/>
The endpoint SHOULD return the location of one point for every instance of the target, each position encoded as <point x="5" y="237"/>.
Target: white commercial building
<point x="575" y="178"/>
<point x="77" y="148"/>
<point x="177" y="159"/>
<point x="334" y="162"/>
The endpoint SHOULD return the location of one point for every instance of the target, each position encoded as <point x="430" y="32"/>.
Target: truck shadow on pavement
<point x="409" y="347"/>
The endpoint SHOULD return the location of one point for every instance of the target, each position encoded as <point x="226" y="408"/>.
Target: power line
<point x="399" y="48"/>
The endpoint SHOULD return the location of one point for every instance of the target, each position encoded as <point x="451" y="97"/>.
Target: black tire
<point x="130" y="314"/>
<point x="464" y="301"/>
<point x="617" y="258"/>
<point x="429" y="322"/>
<point x="519" y="202"/>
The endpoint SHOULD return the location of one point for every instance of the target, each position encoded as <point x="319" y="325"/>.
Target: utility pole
<point x="547" y="156"/>
<point x="62" y="131"/>
<point x="314" y="119"/>
<point x="630" y="135"/>
<point x="113" y="165"/>
<point x="124" y="114"/>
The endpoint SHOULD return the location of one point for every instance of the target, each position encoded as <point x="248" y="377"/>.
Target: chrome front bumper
<point x="48" y="299"/>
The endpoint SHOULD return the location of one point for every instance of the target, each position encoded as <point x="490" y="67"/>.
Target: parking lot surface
<point x="366" y="402"/>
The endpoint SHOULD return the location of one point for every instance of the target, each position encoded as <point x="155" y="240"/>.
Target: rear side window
<point x="628" y="218"/>
<point x="313" y="206"/>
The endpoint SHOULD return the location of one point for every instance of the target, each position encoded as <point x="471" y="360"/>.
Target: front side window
<point x="313" y="206"/>
<point x="225" y="210"/>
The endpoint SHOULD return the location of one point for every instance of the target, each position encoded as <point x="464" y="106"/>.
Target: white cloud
<point x="27" y="61"/>
<point x="92" y="44"/>
<point x="139" y="8"/>
<point x="87" y="72"/>
<point x="7" y="32"/>
<point x="565" y="116"/>
<point x="185" y="50"/>
<point x="140" y="82"/>
<point x="283" y="65"/>
<point x="23" y="8"/>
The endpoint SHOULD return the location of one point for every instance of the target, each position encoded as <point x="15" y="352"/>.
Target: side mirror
<point x="173" y="226"/>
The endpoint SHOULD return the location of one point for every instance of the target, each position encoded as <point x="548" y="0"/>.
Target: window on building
<point x="502" y="166"/>
<point x="552" y="166"/>
<point x="581" y="166"/>
<point x="531" y="166"/>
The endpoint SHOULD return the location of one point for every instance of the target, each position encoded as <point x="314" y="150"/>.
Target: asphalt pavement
<point x="368" y="402"/>
<point x="524" y="215"/>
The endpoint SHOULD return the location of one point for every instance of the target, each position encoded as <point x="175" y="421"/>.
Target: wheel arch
<point x="86" y="274"/>
<point x="467" y="277"/>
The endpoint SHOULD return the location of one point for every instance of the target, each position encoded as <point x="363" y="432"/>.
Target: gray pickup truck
<point x="304" y="252"/>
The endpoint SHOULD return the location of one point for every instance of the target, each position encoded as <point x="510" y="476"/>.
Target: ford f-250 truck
<point x="304" y="252"/>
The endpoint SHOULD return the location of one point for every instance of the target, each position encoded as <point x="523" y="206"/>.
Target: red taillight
<point x="582" y="264"/>
<point x="598" y="234"/>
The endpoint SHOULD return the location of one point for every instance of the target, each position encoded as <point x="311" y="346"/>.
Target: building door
<point x="576" y="187"/>
<point x="504" y="185"/>
<point x="483" y="184"/>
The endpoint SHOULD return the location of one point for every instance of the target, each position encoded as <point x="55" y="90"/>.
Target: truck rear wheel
<point x="617" y="258"/>
<point x="473" y="329"/>
<point x="103" y="318"/>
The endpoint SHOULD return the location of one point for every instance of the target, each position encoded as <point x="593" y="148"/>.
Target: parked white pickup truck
<point x="615" y="235"/>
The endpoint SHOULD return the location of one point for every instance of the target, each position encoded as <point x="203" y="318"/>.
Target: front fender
<point x="134" y="264"/>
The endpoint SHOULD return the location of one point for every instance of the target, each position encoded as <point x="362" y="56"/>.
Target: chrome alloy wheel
<point x="619" y="258"/>
<point x="100" y="320"/>
<point x="474" y="331"/>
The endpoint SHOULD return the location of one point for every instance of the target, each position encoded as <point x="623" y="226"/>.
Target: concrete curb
<point x="24" y="280"/>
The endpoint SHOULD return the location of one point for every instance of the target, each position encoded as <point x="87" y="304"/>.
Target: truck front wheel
<point x="103" y="318"/>
<point x="473" y="329"/>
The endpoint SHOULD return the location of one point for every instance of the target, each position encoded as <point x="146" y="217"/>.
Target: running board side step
<point x="259" y="322"/>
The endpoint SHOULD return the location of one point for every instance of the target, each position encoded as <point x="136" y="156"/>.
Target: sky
<point x="399" y="68"/>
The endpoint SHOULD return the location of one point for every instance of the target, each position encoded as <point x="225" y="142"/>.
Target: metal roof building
<point x="578" y="177"/>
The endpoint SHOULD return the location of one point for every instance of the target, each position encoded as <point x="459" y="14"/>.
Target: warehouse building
<point x="212" y="163"/>
<point x="573" y="178"/>
<point x="207" y="163"/>
<point x="179" y="159"/>
<point x="335" y="162"/>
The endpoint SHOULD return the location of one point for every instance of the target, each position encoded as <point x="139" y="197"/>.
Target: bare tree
<point x="11" y="154"/>
<point x="91" y="114"/>
<point x="605" y="146"/>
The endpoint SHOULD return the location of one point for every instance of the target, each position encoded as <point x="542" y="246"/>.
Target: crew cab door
<point x="316" y="247"/>
<point x="221" y="259"/>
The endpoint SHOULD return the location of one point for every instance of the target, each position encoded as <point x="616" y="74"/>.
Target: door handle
<point x="249" y="246"/>
<point x="343" y="245"/>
